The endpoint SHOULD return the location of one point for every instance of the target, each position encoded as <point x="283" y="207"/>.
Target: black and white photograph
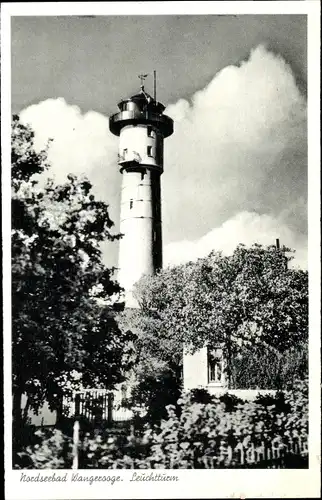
<point x="162" y="244"/>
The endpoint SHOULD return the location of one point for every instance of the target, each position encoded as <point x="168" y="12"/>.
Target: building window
<point x="123" y="394"/>
<point x="215" y="365"/>
<point x="150" y="131"/>
<point x="131" y="204"/>
<point x="149" y="150"/>
<point x="124" y="152"/>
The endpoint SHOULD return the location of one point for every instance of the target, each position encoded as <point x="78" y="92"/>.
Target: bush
<point x="202" y="427"/>
<point x="203" y="396"/>
<point x="49" y="449"/>
<point x="199" y="430"/>
<point x="154" y="394"/>
<point x="260" y="367"/>
<point x="199" y="396"/>
<point x="114" y="450"/>
<point x="207" y="430"/>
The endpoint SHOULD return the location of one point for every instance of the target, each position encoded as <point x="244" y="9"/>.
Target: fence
<point x="275" y="454"/>
<point x="97" y="405"/>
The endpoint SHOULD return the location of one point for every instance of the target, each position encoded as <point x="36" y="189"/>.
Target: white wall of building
<point x="143" y="143"/>
<point x="137" y="227"/>
<point x="44" y="417"/>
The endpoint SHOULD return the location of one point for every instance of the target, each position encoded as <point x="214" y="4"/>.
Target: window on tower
<point x="149" y="151"/>
<point x="150" y="131"/>
<point x="124" y="152"/>
<point x="131" y="204"/>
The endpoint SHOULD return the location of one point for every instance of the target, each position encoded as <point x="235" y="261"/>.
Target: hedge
<point x="200" y="431"/>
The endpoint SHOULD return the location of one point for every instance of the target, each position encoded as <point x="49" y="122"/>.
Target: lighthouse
<point x="141" y="127"/>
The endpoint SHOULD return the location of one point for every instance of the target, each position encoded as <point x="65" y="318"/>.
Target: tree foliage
<point x="250" y="298"/>
<point x="63" y="315"/>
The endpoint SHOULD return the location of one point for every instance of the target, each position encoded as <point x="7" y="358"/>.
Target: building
<point x="205" y="368"/>
<point x="141" y="127"/>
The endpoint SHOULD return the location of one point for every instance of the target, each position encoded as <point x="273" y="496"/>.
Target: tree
<point x="157" y="371"/>
<point x="63" y="312"/>
<point x="251" y="298"/>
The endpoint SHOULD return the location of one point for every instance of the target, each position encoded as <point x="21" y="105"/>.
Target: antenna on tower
<point x="155" y="84"/>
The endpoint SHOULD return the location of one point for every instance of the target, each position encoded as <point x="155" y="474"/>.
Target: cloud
<point x="247" y="228"/>
<point x="239" y="145"/>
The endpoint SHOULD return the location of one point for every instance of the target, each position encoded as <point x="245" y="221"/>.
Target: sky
<point x="236" y="166"/>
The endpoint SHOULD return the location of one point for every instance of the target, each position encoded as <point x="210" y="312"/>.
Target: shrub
<point x="154" y="394"/>
<point x="199" y="430"/>
<point x="49" y="449"/>
<point x="113" y="450"/>
<point x="262" y="367"/>
<point x="202" y="427"/>
<point x="199" y="396"/>
<point x="204" y="397"/>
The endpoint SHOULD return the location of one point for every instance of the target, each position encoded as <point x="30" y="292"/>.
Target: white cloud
<point x="247" y="228"/>
<point x="240" y="145"/>
<point x="82" y="143"/>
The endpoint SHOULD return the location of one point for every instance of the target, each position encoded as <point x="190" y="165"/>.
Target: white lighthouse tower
<point x="141" y="126"/>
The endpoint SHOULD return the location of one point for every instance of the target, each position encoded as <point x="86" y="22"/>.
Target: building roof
<point x="143" y="99"/>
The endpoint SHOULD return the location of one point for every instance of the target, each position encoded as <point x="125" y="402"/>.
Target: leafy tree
<point x="251" y="298"/>
<point x="63" y="312"/>
<point x="262" y="367"/>
<point x="157" y="371"/>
